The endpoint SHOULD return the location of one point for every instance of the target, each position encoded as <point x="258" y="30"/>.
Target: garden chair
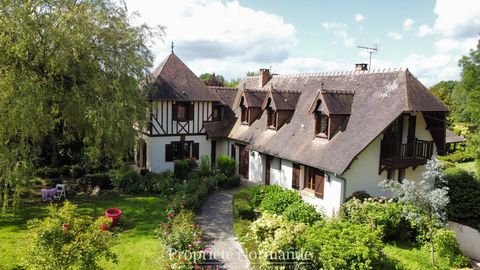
<point x="60" y="191"/>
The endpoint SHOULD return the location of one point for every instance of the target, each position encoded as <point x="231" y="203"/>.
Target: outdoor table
<point x="48" y="193"/>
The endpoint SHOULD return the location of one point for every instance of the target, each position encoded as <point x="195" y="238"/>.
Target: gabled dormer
<point x="279" y="106"/>
<point x="250" y="103"/>
<point x="331" y="110"/>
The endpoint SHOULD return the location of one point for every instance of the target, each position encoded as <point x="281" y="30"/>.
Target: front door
<point x="244" y="161"/>
<point x="267" y="169"/>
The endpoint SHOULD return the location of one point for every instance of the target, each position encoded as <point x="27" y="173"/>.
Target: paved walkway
<point x="216" y="221"/>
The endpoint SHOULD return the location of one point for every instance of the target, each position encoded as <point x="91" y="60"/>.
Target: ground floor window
<point x="181" y="150"/>
<point x="314" y="181"/>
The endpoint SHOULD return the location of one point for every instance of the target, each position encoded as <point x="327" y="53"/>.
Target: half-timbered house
<point x="324" y="134"/>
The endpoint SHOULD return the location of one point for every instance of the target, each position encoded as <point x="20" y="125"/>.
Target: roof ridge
<point x="343" y="92"/>
<point x="222" y="87"/>
<point x="341" y="73"/>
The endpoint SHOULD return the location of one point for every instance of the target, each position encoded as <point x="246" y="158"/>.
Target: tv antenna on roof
<point x="370" y="50"/>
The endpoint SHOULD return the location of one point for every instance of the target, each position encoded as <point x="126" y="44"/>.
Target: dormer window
<point x="321" y="122"/>
<point x="271" y="117"/>
<point x="334" y="105"/>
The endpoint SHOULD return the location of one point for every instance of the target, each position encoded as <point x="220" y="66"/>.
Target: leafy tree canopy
<point x="74" y="66"/>
<point x="466" y="97"/>
<point x="443" y="90"/>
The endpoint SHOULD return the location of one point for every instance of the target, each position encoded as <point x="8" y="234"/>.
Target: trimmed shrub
<point x="226" y="165"/>
<point x="181" y="169"/>
<point x="231" y="182"/>
<point x="276" y="202"/>
<point x="361" y="195"/>
<point x="338" y="244"/>
<point x="243" y="209"/>
<point x="276" y="236"/>
<point x="464" y="194"/>
<point x="259" y="193"/>
<point x="302" y="212"/>
<point x="380" y="214"/>
<point x="77" y="171"/>
<point x="447" y="247"/>
<point x="220" y="179"/>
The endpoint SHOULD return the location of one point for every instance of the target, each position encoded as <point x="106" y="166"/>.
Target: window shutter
<point x="191" y="110"/>
<point x="295" y="176"/>
<point x="195" y="150"/>
<point x="175" y="111"/>
<point x="168" y="152"/>
<point x="319" y="185"/>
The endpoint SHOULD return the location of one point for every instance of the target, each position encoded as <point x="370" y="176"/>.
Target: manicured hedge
<point x="464" y="193"/>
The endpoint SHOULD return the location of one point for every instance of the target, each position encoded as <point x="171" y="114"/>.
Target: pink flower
<point x="198" y="243"/>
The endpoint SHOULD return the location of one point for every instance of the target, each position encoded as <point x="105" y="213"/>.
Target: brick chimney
<point x="361" y="67"/>
<point x="264" y="77"/>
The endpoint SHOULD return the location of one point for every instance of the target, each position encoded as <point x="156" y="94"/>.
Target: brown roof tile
<point x="173" y="80"/>
<point x="379" y="99"/>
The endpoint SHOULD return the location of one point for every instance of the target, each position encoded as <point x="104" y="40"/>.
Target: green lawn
<point x="469" y="166"/>
<point x="135" y="242"/>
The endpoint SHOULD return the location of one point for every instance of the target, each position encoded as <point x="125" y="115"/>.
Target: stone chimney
<point x="361" y="67"/>
<point x="264" y="77"/>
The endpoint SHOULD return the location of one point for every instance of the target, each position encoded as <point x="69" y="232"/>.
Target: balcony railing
<point x="406" y="154"/>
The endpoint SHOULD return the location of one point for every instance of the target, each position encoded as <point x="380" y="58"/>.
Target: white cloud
<point x="459" y="18"/>
<point x="208" y="29"/>
<point x="359" y="17"/>
<point x="395" y="35"/>
<point x="446" y="45"/>
<point x="424" y="30"/>
<point x="340" y="30"/>
<point x="432" y="69"/>
<point x="408" y="24"/>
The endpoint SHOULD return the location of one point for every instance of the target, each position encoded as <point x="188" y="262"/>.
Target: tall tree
<point x="466" y="96"/>
<point x="71" y="69"/>
<point x="466" y="99"/>
<point x="444" y="90"/>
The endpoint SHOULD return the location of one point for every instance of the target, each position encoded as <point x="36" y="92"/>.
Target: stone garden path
<point x="216" y="221"/>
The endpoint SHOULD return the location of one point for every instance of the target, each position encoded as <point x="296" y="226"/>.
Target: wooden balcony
<point x="398" y="156"/>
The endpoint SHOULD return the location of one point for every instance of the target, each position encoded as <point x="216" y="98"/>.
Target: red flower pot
<point x="114" y="214"/>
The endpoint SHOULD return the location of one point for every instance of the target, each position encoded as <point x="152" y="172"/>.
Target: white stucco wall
<point x="156" y="150"/>
<point x="468" y="238"/>
<point x="222" y="147"/>
<point x="363" y="172"/>
<point x="256" y="167"/>
<point x="332" y="199"/>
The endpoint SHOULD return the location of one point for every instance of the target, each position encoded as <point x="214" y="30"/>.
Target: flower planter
<point x="114" y="214"/>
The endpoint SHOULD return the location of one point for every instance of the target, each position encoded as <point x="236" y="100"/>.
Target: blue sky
<point x="233" y="37"/>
